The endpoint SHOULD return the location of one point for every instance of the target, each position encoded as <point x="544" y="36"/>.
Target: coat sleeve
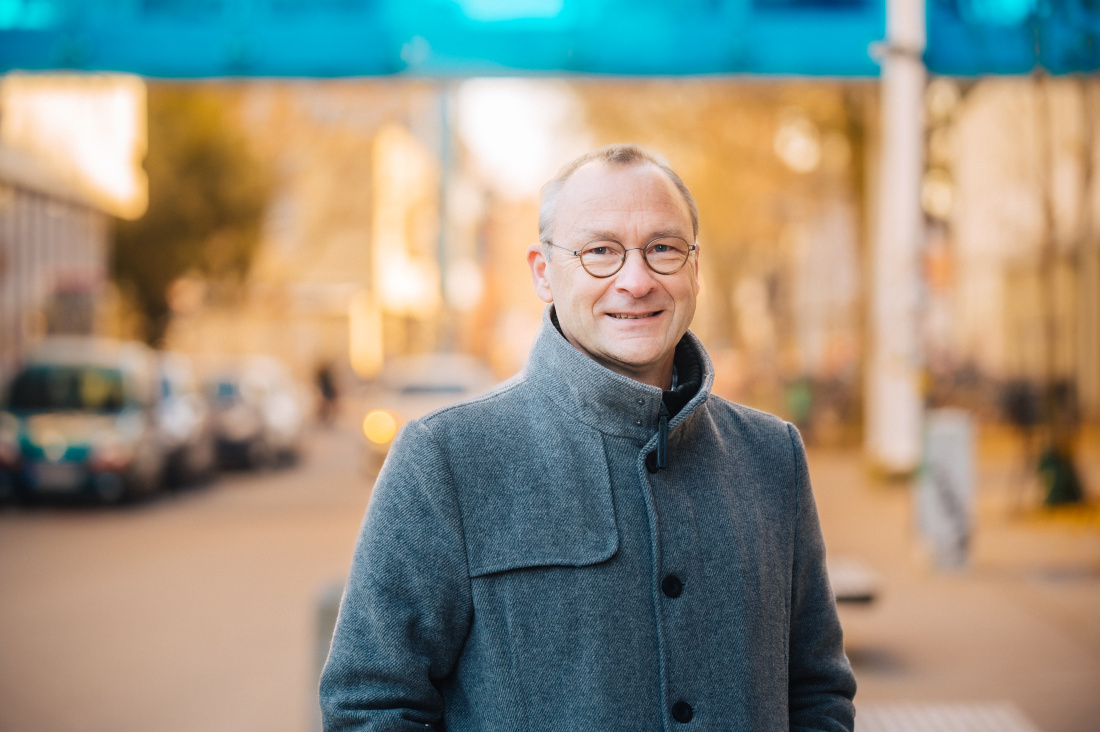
<point x="821" y="683"/>
<point x="406" y="609"/>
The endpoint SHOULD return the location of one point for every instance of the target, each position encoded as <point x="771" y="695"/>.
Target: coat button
<point x="682" y="712"/>
<point x="672" y="586"/>
<point x="651" y="462"/>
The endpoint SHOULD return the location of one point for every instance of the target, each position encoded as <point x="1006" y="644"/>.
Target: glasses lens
<point x="602" y="257"/>
<point x="666" y="254"/>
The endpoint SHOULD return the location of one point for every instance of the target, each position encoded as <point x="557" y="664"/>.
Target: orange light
<point x="379" y="426"/>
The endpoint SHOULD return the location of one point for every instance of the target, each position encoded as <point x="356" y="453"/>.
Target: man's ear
<point x="695" y="266"/>
<point x="536" y="260"/>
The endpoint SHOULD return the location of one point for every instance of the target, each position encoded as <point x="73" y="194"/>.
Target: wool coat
<point x="520" y="568"/>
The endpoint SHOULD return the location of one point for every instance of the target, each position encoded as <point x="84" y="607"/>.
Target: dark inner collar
<point x="689" y="377"/>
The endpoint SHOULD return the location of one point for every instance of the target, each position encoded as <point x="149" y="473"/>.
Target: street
<point x="198" y="611"/>
<point x="194" y="612"/>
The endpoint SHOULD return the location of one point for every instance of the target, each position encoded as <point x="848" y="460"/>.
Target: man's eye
<point x="669" y="245"/>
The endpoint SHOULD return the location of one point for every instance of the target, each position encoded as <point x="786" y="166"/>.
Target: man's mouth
<point x="634" y="316"/>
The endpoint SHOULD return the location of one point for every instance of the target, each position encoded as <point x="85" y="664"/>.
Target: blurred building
<point x="70" y="152"/>
<point x="53" y="257"/>
<point x="1013" y="259"/>
<point x="402" y="210"/>
<point x="347" y="270"/>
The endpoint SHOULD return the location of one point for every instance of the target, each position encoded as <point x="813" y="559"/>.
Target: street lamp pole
<point x="893" y="418"/>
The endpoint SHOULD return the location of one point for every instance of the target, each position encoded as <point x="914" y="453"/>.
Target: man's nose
<point x="635" y="277"/>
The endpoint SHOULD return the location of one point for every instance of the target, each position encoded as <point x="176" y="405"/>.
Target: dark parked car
<point x="79" y="419"/>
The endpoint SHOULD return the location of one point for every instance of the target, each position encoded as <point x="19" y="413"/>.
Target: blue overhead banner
<point x="201" y="38"/>
<point x="434" y="38"/>
<point x="973" y="37"/>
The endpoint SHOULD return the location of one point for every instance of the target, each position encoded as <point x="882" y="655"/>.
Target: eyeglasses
<point x="604" y="257"/>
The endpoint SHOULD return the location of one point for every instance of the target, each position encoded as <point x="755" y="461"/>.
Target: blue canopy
<point x="972" y="37"/>
<point x="435" y="38"/>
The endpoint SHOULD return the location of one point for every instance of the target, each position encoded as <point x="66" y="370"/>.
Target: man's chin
<point x="635" y="354"/>
<point x="631" y="361"/>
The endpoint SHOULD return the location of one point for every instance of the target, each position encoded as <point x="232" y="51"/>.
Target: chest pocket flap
<point x="536" y="498"/>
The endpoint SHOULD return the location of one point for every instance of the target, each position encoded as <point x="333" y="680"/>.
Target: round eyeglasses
<point x="604" y="257"/>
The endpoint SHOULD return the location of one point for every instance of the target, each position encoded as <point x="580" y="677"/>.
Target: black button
<point x="681" y="712"/>
<point x="672" y="586"/>
<point x="651" y="462"/>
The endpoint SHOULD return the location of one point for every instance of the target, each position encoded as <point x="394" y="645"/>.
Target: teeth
<point x="631" y="317"/>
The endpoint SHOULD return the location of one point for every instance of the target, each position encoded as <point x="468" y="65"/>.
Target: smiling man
<point x="599" y="543"/>
<point x="627" y="314"/>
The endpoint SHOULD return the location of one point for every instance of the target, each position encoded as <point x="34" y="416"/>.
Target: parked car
<point x="185" y="422"/>
<point x="410" y="387"/>
<point x="259" y="419"/>
<point x="79" y="419"/>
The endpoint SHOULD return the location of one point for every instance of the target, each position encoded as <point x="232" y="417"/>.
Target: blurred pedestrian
<point x="326" y="388"/>
<point x="599" y="543"/>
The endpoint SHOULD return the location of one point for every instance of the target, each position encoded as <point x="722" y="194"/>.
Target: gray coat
<point x="512" y="571"/>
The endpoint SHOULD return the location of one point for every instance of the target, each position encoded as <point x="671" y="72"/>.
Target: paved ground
<point x="1021" y="624"/>
<point x="198" y="612"/>
<point x="194" y="613"/>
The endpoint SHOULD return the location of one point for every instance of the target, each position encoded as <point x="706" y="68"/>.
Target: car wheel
<point x="110" y="488"/>
<point x="259" y="455"/>
<point x="24" y="497"/>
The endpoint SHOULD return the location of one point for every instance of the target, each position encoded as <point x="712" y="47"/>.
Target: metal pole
<point x="894" y="406"/>
<point x="443" y="247"/>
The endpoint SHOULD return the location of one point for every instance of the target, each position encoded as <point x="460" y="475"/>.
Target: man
<point x="599" y="543"/>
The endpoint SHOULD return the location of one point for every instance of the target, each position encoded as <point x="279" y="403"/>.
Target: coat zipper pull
<point x="662" y="438"/>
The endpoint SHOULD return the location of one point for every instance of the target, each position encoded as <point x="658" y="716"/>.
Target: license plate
<point x="57" y="476"/>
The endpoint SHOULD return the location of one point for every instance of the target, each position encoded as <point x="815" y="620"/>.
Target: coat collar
<point x="599" y="397"/>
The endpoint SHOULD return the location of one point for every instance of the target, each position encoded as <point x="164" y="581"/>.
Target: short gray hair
<point x="617" y="155"/>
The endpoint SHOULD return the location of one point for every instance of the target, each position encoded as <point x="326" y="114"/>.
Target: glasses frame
<point x="577" y="253"/>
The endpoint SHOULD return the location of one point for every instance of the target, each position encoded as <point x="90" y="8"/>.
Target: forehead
<point x="622" y="200"/>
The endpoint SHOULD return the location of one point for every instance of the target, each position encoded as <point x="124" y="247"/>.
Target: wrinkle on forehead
<point x="608" y="235"/>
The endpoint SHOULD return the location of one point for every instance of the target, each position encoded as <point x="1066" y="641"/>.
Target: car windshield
<point x="77" y="388"/>
<point x="224" y="391"/>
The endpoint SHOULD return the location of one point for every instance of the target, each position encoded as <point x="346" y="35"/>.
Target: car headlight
<point x="53" y="444"/>
<point x="110" y="452"/>
<point x="379" y="426"/>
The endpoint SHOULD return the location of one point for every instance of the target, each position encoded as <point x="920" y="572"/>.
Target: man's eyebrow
<point x="594" y="234"/>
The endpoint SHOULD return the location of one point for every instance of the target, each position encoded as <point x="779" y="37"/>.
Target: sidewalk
<point x="1016" y="633"/>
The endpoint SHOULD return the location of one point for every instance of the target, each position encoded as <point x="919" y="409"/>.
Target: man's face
<point x="629" y="322"/>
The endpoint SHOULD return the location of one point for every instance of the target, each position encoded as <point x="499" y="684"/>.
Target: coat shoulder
<point x="756" y="442"/>
<point x="749" y="424"/>
<point x="502" y="398"/>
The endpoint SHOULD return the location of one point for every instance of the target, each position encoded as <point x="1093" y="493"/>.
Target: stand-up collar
<point x="599" y="397"/>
